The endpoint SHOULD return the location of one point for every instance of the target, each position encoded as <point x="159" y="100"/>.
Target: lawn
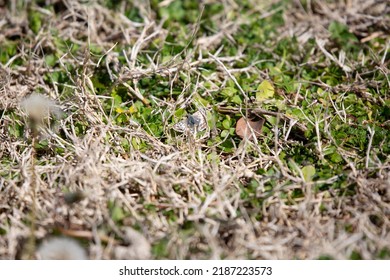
<point x="196" y="129"/>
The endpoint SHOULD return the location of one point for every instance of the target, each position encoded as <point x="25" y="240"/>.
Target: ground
<point x="91" y="92"/>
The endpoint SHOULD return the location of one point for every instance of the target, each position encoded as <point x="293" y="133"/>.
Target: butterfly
<point x="193" y="123"/>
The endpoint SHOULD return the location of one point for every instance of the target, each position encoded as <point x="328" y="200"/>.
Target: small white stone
<point x="60" y="248"/>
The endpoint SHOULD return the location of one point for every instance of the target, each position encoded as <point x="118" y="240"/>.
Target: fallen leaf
<point x="265" y="91"/>
<point x="243" y="127"/>
<point x="308" y="172"/>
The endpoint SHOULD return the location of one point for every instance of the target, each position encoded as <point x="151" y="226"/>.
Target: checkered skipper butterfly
<point x="193" y="123"/>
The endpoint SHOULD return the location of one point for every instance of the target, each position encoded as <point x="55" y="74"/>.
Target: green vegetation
<point x="122" y="73"/>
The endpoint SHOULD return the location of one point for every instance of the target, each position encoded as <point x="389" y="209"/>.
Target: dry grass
<point x="189" y="198"/>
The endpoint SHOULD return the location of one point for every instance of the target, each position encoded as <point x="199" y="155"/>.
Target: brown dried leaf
<point x="243" y="128"/>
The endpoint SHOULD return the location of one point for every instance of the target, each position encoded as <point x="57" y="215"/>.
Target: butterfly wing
<point x="196" y="121"/>
<point x="180" y="126"/>
<point x="200" y="117"/>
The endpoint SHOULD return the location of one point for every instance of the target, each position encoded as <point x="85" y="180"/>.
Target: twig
<point x="231" y="76"/>
<point x="137" y="93"/>
<point x="372" y="132"/>
<point x="320" y="43"/>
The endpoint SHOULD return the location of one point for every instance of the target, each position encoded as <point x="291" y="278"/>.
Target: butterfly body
<point x="192" y="123"/>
